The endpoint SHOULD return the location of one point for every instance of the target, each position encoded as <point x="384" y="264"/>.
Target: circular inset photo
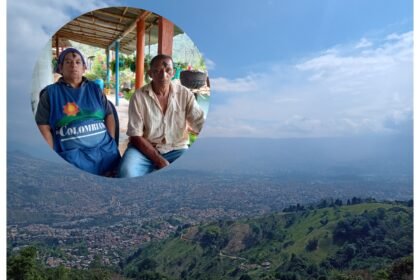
<point x="120" y="92"/>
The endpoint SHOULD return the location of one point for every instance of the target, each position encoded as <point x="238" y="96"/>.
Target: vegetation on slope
<point x="359" y="240"/>
<point x="328" y="241"/>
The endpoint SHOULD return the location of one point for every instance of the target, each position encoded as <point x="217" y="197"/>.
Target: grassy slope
<point x="177" y="254"/>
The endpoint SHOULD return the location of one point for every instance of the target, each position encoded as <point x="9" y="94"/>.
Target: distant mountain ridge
<point x="229" y="174"/>
<point x="383" y="156"/>
<point x="380" y="155"/>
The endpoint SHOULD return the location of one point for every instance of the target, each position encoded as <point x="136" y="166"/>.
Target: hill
<point x="41" y="191"/>
<point x="366" y="240"/>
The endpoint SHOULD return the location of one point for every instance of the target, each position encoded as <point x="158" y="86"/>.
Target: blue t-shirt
<point x="77" y="120"/>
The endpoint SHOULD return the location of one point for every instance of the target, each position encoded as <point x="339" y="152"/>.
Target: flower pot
<point x="193" y="79"/>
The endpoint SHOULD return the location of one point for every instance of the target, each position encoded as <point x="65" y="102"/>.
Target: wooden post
<point x="166" y="34"/>
<point x="108" y="72"/>
<point x="57" y="48"/>
<point x="117" y="73"/>
<point x="140" y="52"/>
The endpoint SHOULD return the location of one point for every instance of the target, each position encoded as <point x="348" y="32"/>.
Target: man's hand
<point x="147" y="149"/>
<point x="162" y="163"/>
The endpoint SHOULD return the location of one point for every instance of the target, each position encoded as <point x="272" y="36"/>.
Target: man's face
<point x="72" y="67"/>
<point x="162" y="71"/>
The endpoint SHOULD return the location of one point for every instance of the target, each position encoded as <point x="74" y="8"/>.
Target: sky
<point x="278" y="69"/>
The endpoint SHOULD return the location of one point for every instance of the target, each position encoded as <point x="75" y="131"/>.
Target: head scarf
<point x="63" y="54"/>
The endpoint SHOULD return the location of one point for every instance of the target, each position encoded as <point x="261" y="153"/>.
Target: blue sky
<point x="279" y="69"/>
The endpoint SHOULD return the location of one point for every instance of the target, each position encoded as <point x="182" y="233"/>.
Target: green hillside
<point x="359" y="241"/>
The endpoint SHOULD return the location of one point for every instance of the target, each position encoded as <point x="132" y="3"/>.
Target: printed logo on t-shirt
<point x="72" y="112"/>
<point x="71" y="109"/>
<point x="80" y="128"/>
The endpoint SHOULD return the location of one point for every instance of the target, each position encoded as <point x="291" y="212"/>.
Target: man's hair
<point x="159" y="57"/>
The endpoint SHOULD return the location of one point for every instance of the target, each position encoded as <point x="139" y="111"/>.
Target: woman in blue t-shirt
<point x="76" y="119"/>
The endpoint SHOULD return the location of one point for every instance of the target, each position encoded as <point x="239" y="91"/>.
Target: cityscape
<point x="79" y="220"/>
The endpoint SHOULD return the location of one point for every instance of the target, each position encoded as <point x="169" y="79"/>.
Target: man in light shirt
<point x="159" y="115"/>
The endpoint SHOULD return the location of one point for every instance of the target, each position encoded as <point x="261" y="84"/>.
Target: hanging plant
<point x="130" y="63"/>
<point x="112" y="66"/>
<point x="54" y="63"/>
<point x="122" y="63"/>
<point x="121" y="67"/>
<point x="133" y="66"/>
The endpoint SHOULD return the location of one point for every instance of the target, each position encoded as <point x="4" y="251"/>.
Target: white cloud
<point x="363" y="43"/>
<point x="345" y="90"/>
<point x="286" y="100"/>
<point x="247" y="84"/>
<point x="32" y="23"/>
<point x="395" y="36"/>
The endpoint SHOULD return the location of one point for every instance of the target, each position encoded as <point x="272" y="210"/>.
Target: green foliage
<point x="60" y="272"/>
<point x="310" y="229"/>
<point x="92" y="76"/>
<point x="298" y="268"/>
<point x="129" y="93"/>
<point x="98" y="69"/>
<point x="147" y="264"/>
<point x="245" y="277"/>
<point x="290" y="220"/>
<point x="23" y="265"/>
<point x="147" y="275"/>
<point x="287" y="276"/>
<point x="324" y="221"/>
<point x="201" y="64"/>
<point x="377" y="235"/>
<point x="294" y="208"/>
<point x="312" y="245"/>
<point x="181" y="65"/>
<point x="210" y="236"/>
<point x="402" y="269"/>
<point x="295" y="244"/>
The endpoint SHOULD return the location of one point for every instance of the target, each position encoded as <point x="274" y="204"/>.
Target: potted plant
<point x="107" y="89"/>
<point x="193" y="79"/>
<point x="122" y="65"/>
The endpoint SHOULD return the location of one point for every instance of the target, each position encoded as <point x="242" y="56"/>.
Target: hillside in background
<point x="214" y="174"/>
<point x="80" y="221"/>
<point x="362" y="239"/>
<point x="369" y="240"/>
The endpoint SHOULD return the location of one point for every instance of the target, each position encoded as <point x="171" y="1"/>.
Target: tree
<point x="147" y="264"/>
<point x="245" y="277"/>
<point x="324" y="221"/>
<point x="402" y="269"/>
<point x="210" y="236"/>
<point x="23" y="265"/>
<point x="60" y="272"/>
<point x="287" y="276"/>
<point x="97" y="262"/>
<point x="338" y="202"/>
<point x="312" y="245"/>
